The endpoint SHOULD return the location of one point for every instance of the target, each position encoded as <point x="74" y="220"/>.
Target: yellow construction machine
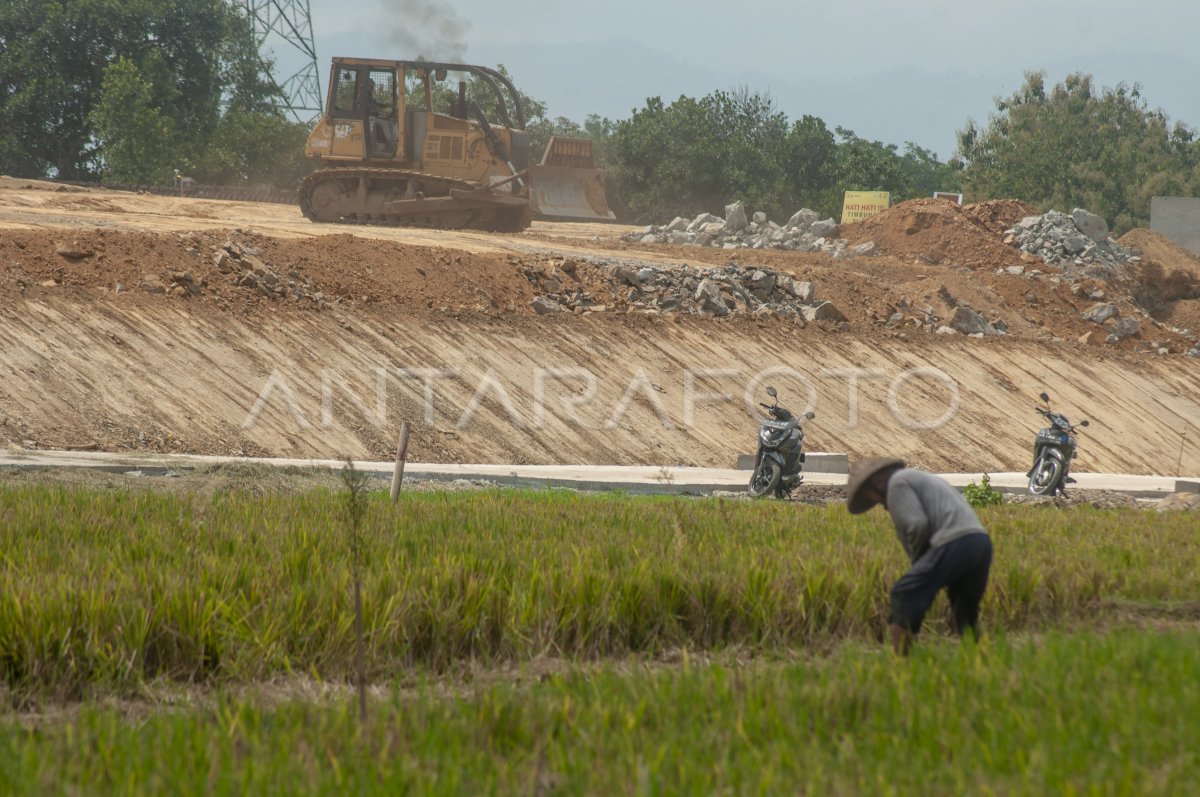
<point x="385" y="155"/>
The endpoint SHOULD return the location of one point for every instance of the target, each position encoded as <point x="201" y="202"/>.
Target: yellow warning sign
<point x="859" y="205"/>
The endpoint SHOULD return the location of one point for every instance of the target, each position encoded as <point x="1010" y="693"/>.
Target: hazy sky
<point x="896" y="71"/>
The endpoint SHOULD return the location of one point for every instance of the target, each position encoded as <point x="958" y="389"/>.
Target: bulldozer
<point x="385" y="156"/>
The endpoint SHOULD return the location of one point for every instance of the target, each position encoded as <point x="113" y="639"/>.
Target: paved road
<point x="588" y="477"/>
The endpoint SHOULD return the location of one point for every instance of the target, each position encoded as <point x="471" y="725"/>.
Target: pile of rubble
<point x="803" y="232"/>
<point x="247" y="270"/>
<point x="1113" y="326"/>
<point x="1079" y="243"/>
<point x="729" y="290"/>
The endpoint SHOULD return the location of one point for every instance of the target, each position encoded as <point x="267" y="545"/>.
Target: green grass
<point x="102" y="592"/>
<point x="1091" y="714"/>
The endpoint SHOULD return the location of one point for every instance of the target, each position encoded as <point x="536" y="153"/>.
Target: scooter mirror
<point x="1083" y="423"/>
<point x="810" y="415"/>
<point x="771" y="392"/>
<point x="1045" y="396"/>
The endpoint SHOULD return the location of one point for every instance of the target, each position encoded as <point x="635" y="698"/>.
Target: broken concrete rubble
<point x="1079" y="243"/>
<point x="729" y="290"/>
<point x="803" y="232"/>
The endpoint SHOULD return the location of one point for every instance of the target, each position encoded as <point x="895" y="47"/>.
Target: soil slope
<point x="126" y="328"/>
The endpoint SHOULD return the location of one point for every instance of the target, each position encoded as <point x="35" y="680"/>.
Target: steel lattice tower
<point x="290" y="22"/>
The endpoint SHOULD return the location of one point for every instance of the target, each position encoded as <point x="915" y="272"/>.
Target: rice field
<point x="1104" y="714"/>
<point x="113" y="597"/>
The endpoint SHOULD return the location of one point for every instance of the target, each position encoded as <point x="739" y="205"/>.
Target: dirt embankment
<point x="315" y="341"/>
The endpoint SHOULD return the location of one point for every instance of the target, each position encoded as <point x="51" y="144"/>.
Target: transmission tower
<point x="289" y="22"/>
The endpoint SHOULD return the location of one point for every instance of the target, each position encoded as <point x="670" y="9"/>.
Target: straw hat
<point x="862" y="472"/>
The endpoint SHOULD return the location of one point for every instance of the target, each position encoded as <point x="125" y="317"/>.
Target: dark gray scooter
<point x="1053" y="451"/>
<point x="780" y="455"/>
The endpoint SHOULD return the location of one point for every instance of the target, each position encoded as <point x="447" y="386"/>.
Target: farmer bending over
<point x="943" y="537"/>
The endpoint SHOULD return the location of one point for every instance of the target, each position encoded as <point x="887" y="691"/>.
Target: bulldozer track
<point x="430" y="220"/>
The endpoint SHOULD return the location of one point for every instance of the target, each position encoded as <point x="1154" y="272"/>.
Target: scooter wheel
<point x="765" y="478"/>
<point x="1047" y="474"/>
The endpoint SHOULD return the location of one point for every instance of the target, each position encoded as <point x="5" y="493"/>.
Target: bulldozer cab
<point x="363" y="108"/>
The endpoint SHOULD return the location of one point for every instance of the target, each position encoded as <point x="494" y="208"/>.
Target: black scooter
<point x="1053" y="451"/>
<point x="780" y="452"/>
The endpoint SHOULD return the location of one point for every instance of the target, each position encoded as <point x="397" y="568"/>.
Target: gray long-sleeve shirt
<point x="927" y="511"/>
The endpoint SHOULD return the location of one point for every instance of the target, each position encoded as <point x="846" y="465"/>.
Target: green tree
<point x="926" y="174"/>
<point x="695" y="155"/>
<point x="254" y="147"/>
<point x="811" y="163"/>
<point x="1074" y="145"/>
<point x="181" y="62"/>
<point x="138" y="137"/>
<point x="864" y="165"/>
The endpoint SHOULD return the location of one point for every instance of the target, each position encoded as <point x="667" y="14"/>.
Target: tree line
<point x="131" y="91"/>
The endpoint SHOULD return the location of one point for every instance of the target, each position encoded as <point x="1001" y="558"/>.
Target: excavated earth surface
<point x="135" y="322"/>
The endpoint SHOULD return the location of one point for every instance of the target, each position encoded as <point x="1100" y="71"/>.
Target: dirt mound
<point x="238" y="269"/>
<point x="936" y="231"/>
<point x="998" y="215"/>
<point x="1167" y="281"/>
<point x="1162" y="250"/>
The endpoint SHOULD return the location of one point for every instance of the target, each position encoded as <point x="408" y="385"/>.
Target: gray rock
<point x="678" y="224"/>
<point x="708" y="297"/>
<point x="649" y="239"/>
<point x="867" y="248"/>
<point x="823" y="229"/>
<point x="701" y="220"/>
<point x="223" y="261"/>
<point x="824" y="311"/>
<point x="969" y="322"/>
<point x="1100" y="313"/>
<point x="785" y="284"/>
<point x="544" y="306"/>
<point x="1074" y="244"/>
<point x="714" y="228"/>
<point x="1194" y="352"/>
<point x="945" y="330"/>
<point x="1125" y="328"/>
<point x="735" y="217"/>
<point x="1090" y="224"/>
<point x="681" y="237"/>
<point x="802" y="219"/>
<point x="759" y="217"/>
<point x="152" y="284"/>
<point x="646" y="274"/>
<point x="1016" y="271"/>
<point x="805" y="292"/>
<point x="760" y="284"/>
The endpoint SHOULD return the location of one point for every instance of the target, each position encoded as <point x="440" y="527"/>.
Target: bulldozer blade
<point x="567" y="183"/>
<point x="569" y="192"/>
